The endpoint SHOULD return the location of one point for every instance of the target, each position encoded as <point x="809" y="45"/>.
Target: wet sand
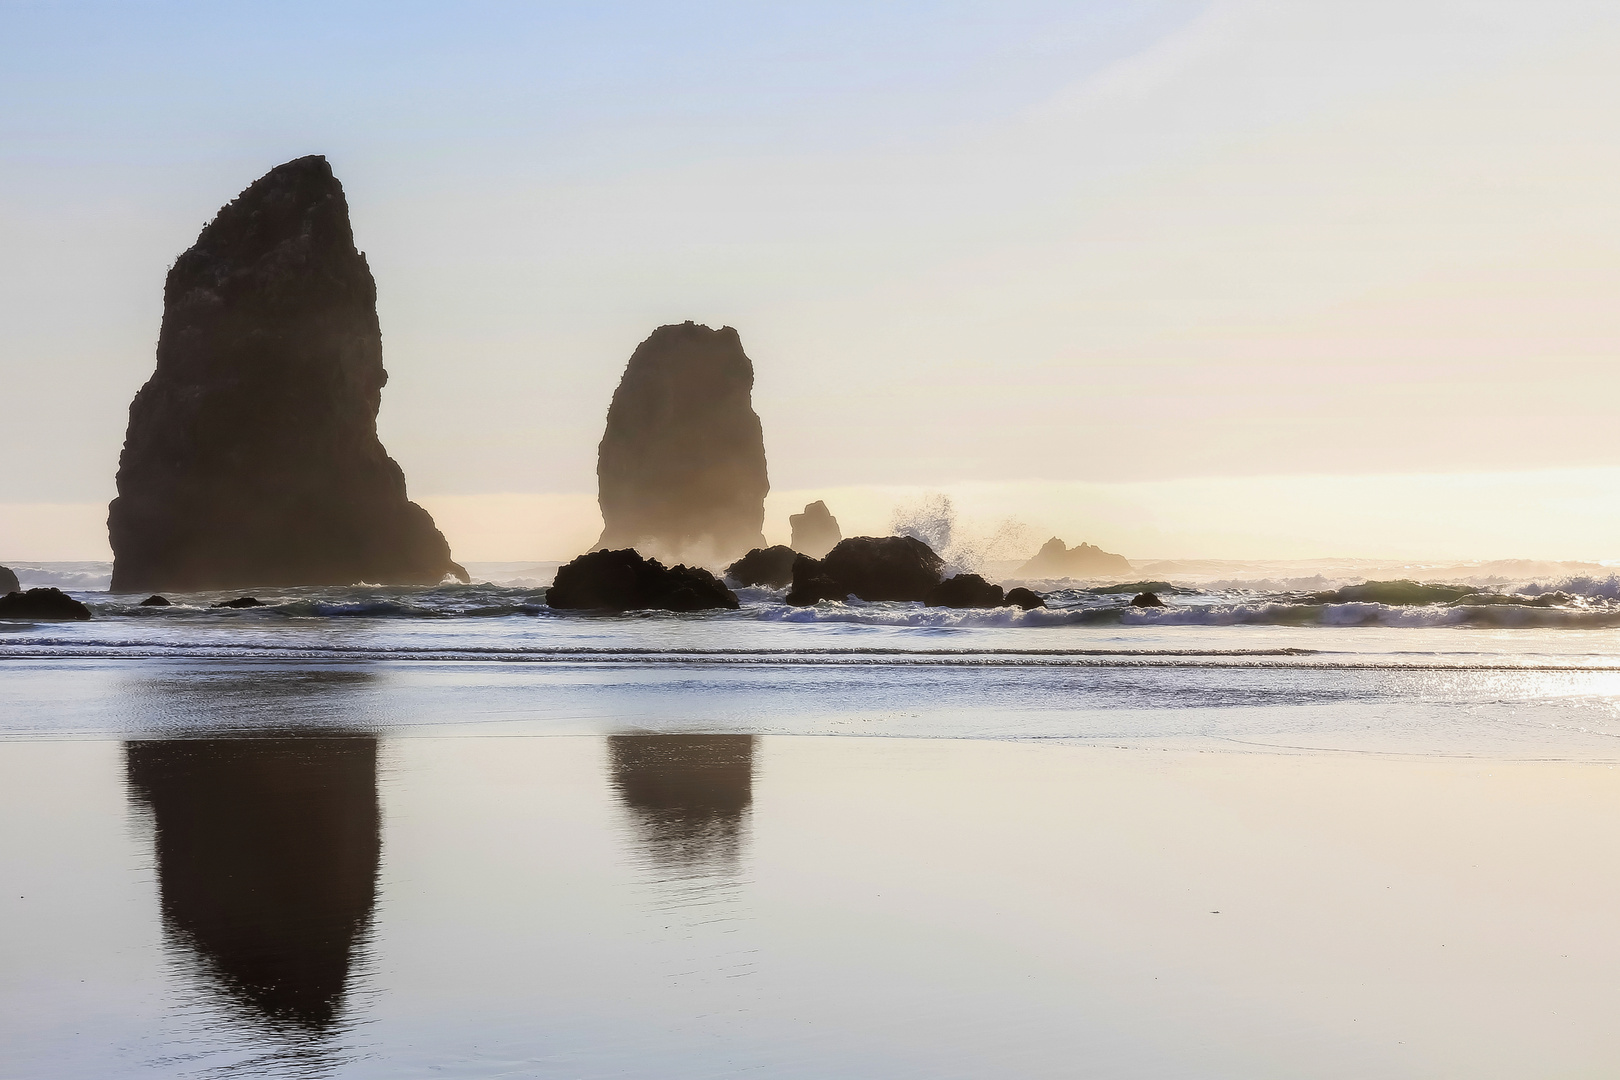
<point x="710" y="905"/>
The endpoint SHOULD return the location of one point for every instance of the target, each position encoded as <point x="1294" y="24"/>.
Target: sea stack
<point x="815" y="532"/>
<point x="681" y="467"/>
<point x="252" y="456"/>
<point x="1056" y="561"/>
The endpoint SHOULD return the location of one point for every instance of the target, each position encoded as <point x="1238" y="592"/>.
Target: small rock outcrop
<point x="241" y="602"/>
<point x="681" y="467"/>
<point x="965" y="591"/>
<point x="625" y="581"/>
<point x="815" y="532"/>
<point x="771" y="566"/>
<point x="252" y="455"/>
<point x="156" y="601"/>
<point x="1056" y="561"/>
<point x="869" y="567"/>
<point x="1146" y="599"/>
<point x="1024" y="598"/>
<point x="42" y="604"/>
<point x="8" y="581"/>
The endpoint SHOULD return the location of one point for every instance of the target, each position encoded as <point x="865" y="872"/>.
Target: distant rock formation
<point x="965" y="591"/>
<point x="815" y="532"/>
<point x="252" y="455"/>
<point x="1024" y="598"/>
<point x="42" y="604"/>
<point x="625" y="581"/>
<point x="1056" y="561"/>
<point x="681" y="467"/>
<point x="1146" y="599"/>
<point x="8" y="581"/>
<point x="869" y="567"/>
<point x="771" y="566"/>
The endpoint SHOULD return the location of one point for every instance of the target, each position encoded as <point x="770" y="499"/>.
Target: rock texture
<point x="965" y="591"/>
<point x="771" y="566"/>
<point x="815" y="532"/>
<point x="1024" y="598"/>
<point x="869" y="567"/>
<point x="625" y="581"/>
<point x="8" y="581"/>
<point x="42" y="604"/>
<point x="252" y="455"/>
<point x="681" y="467"/>
<point x="1056" y="561"/>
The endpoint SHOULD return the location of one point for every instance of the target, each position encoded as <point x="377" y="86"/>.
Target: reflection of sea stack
<point x="815" y="532"/>
<point x="267" y="853"/>
<point x="1056" y="561"/>
<point x="681" y="466"/>
<point x="252" y="455"/>
<point x="689" y="794"/>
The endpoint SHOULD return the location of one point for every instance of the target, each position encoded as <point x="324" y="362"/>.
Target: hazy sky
<point x="1048" y="246"/>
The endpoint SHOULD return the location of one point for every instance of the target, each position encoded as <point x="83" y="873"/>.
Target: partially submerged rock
<point x="771" y="566"/>
<point x="8" y="581"/>
<point x="241" y="602"/>
<point x="1024" y="598"/>
<point x="156" y="601"/>
<point x="1146" y="599"/>
<point x="1056" y="561"/>
<point x="869" y="567"/>
<point x="42" y="604"/>
<point x="681" y="466"/>
<point x="252" y="456"/>
<point x="625" y="581"/>
<point x="965" y="591"/>
<point x="815" y="532"/>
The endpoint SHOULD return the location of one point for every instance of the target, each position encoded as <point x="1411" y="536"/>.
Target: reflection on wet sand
<point x="688" y="795"/>
<point x="267" y="854"/>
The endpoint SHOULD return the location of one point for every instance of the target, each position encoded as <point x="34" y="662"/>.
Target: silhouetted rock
<point x="870" y="567"/>
<point x="252" y="455"/>
<point x="43" y="604"/>
<point x="241" y="602"/>
<point x="8" y="582"/>
<point x="155" y="601"/>
<point x="681" y="467"/>
<point x="966" y="591"/>
<point x="1024" y="598"/>
<point x="815" y="532"/>
<point x="1056" y="561"/>
<point x="771" y="566"/>
<point x="1146" y="599"/>
<point x="624" y="581"/>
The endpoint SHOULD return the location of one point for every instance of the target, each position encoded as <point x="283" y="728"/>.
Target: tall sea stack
<point x="681" y="467"/>
<point x="252" y="455"/>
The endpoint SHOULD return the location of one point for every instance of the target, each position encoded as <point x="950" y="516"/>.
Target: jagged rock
<point x="1146" y="599"/>
<point x="42" y="604"/>
<point x="870" y="567"/>
<point x="964" y="591"/>
<point x="241" y="602"/>
<point x="771" y="566"/>
<point x="8" y="581"/>
<point x="1056" y="561"/>
<point x="156" y="601"/>
<point x="252" y="455"/>
<point x="1024" y="598"/>
<point x="815" y="532"/>
<point x="681" y="467"/>
<point x="625" y="581"/>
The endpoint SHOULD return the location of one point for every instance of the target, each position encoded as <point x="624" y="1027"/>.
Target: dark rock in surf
<point x="771" y="566"/>
<point x="625" y="581"/>
<point x="52" y="605"/>
<point x="815" y="532"/>
<point x="1146" y="599"/>
<point x="681" y="466"/>
<point x="252" y="455"/>
<point x="869" y="567"/>
<point x="156" y="601"/>
<point x="1024" y="598"/>
<point x="8" y="581"/>
<point x="241" y="602"/>
<point x="1056" y="561"/>
<point x="965" y="591"/>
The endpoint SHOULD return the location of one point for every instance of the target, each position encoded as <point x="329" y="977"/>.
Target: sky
<point x="1192" y="278"/>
